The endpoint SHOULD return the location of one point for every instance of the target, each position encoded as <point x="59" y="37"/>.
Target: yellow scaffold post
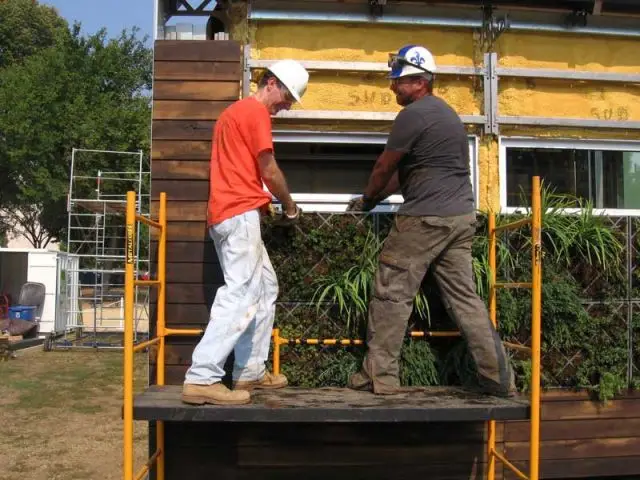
<point x="535" y="221"/>
<point x="129" y="347"/>
<point x="162" y="332"/>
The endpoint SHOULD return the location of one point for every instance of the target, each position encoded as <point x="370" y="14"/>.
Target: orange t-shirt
<point x="241" y="133"/>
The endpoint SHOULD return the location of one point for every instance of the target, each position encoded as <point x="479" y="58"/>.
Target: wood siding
<point x="194" y="81"/>
<point x="580" y="438"/>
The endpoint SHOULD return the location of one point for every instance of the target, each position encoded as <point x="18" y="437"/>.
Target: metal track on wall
<point x="439" y="16"/>
<point x="491" y="73"/>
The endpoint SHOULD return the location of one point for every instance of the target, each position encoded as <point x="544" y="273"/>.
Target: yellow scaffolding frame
<point x="162" y="332"/>
<point x="535" y="221"/>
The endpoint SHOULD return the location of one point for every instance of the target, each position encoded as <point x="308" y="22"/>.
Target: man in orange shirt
<point x="243" y="311"/>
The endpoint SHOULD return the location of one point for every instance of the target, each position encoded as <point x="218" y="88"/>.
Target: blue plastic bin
<point x="22" y="312"/>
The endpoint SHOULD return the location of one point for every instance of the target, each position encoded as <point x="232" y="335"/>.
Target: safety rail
<point x="162" y="332"/>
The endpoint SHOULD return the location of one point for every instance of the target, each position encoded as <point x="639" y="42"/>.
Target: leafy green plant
<point x="351" y="290"/>
<point x="339" y="365"/>
<point x="418" y="365"/>
<point x="569" y="235"/>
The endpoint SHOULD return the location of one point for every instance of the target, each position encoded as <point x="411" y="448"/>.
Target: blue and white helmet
<point x="411" y="60"/>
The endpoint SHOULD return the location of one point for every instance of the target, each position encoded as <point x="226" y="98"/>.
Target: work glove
<point x="285" y="220"/>
<point x="360" y="204"/>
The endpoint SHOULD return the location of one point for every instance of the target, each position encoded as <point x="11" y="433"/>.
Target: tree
<point x="26" y="27"/>
<point x="86" y="92"/>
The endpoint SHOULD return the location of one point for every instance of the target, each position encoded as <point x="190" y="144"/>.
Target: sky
<point x="115" y="15"/>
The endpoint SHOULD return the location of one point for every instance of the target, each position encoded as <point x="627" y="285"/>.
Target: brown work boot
<point x="268" y="382"/>
<point x="485" y="386"/>
<point x="360" y="381"/>
<point x="216" y="394"/>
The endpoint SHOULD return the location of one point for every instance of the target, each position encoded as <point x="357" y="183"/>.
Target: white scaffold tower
<point x="99" y="180"/>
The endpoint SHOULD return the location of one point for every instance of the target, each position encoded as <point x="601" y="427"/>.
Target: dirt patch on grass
<point x="60" y="415"/>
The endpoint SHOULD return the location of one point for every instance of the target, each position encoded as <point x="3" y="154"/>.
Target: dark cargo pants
<point x="412" y="246"/>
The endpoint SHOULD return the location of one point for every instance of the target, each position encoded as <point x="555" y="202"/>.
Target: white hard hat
<point x="292" y="75"/>
<point x="411" y="60"/>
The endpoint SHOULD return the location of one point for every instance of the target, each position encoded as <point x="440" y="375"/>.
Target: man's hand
<point x="360" y="204"/>
<point x="286" y="220"/>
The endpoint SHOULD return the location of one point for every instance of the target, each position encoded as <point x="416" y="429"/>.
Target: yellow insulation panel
<point x="357" y="42"/>
<point x="558" y="98"/>
<point x="358" y="91"/>
<point x="351" y="92"/>
<point x="587" y="53"/>
<point x="489" y="175"/>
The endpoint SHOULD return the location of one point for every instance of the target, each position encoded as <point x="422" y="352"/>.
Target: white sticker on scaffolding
<point x="130" y="244"/>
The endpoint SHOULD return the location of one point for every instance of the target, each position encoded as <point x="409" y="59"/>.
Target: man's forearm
<point x="392" y="187"/>
<point x="277" y="185"/>
<point x="378" y="181"/>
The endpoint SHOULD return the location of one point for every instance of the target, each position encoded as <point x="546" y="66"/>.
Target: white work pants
<point x="243" y="311"/>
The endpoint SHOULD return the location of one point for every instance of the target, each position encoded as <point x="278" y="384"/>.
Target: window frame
<point x="337" y="202"/>
<point x="566" y="144"/>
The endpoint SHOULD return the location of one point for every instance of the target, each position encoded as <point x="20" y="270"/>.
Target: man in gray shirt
<point x="427" y="158"/>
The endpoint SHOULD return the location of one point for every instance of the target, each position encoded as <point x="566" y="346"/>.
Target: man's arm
<point x="392" y="187"/>
<point x="275" y="181"/>
<point x="384" y="178"/>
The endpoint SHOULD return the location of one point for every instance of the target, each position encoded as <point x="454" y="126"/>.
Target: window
<point x="606" y="173"/>
<point x="325" y="170"/>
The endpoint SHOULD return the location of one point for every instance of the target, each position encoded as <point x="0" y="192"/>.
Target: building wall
<point x="364" y="91"/>
<point x="193" y="82"/>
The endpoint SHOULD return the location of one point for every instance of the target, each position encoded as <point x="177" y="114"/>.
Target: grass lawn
<point x="60" y="415"/>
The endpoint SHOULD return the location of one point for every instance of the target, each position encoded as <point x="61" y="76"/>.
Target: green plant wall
<point x="325" y="268"/>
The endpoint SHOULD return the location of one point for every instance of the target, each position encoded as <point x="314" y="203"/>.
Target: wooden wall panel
<point x="187" y="315"/>
<point x="198" y="249"/>
<point x="364" y="451"/>
<point x="194" y="81"/>
<point x="183" y="211"/>
<point x="183" y="129"/>
<point x="190" y="90"/>
<point x="180" y="150"/>
<point x="204" y="71"/>
<point x="197" y="51"/>
<point x="180" y="170"/>
<point x="198" y="190"/>
<point x="580" y="437"/>
<point x="187" y="232"/>
<point x="186" y="272"/>
<point x="187" y="109"/>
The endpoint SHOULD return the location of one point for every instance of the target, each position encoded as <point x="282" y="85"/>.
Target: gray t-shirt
<point x="434" y="172"/>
